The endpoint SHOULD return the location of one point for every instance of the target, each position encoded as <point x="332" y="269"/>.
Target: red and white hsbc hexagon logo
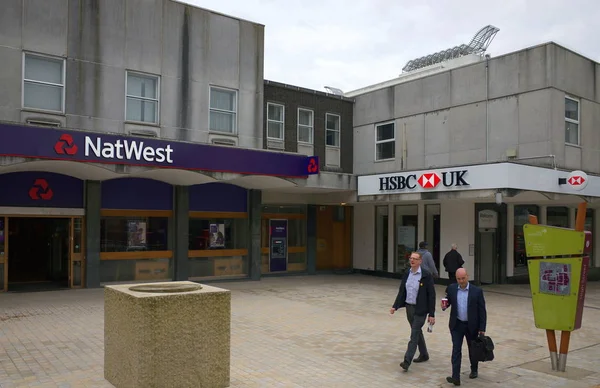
<point x="427" y="180"/>
<point x="578" y="180"/>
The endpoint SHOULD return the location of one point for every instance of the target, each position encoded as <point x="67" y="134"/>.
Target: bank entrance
<point x="40" y="253"/>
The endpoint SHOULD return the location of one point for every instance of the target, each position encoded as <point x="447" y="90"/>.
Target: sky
<point x="355" y="43"/>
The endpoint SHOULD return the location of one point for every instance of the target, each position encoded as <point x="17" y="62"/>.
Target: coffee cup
<point x="444" y="303"/>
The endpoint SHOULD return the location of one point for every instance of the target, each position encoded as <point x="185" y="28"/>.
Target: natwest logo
<point x="125" y="150"/>
<point x="428" y="180"/>
<point x="41" y="190"/>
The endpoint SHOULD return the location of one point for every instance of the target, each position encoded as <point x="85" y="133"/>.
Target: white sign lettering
<point x="128" y="150"/>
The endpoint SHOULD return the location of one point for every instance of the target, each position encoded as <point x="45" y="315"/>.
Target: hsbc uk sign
<point x="427" y="180"/>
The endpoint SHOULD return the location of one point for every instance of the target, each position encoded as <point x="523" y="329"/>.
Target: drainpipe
<point x="487" y="118"/>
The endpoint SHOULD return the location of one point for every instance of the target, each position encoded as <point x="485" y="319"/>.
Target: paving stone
<point x="305" y="331"/>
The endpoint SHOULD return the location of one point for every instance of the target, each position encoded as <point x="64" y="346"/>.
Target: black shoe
<point x="453" y="381"/>
<point x="473" y="374"/>
<point x="421" y="358"/>
<point x="404" y="365"/>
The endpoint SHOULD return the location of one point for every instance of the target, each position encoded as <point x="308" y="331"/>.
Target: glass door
<point x="76" y="256"/>
<point x="3" y="253"/>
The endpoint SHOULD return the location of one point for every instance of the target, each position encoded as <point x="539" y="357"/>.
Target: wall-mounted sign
<point x="488" y="219"/>
<point x="217" y="235"/>
<point x="493" y="176"/>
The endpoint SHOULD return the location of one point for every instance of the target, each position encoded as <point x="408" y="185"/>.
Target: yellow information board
<point x="544" y="240"/>
<point x="555" y="289"/>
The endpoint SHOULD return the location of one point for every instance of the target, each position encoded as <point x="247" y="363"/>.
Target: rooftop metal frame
<point x="478" y="45"/>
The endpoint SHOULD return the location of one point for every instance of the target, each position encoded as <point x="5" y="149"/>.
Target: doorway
<point x="333" y="238"/>
<point x="490" y="243"/>
<point x="38" y="253"/>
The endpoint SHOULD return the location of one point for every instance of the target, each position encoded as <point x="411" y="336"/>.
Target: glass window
<point x="381" y="238"/>
<point x="385" y="141"/>
<point x="218" y="233"/>
<point x="131" y="234"/>
<point x="275" y="121"/>
<point x="43" y="83"/>
<point x="142" y="98"/>
<point x="2" y="236"/>
<point x="332" y="130"/>
<point x="305" y="126"/>
<point x="407" y="221"/>
<point x="521" y="217"/>
<point x="557" y="216"/>
<point x="223" y="110"/>
<point x="571" y="121"/>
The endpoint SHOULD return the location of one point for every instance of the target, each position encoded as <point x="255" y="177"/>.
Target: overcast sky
<point x="354" y="43"/>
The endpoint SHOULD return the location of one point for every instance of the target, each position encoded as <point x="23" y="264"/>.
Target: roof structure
<point x="478" y="46"/>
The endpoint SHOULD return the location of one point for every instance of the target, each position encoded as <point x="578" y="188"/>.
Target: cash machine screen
<point x="278" y="248"/>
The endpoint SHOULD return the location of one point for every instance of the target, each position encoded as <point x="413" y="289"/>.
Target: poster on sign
<point x="217" y="236"/>
<point x="136" y="236"/>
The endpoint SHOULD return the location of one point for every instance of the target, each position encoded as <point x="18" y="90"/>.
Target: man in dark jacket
<point x="452" y="262"/>
<point x="417" y="295"/>
<point x="468" y="318"/>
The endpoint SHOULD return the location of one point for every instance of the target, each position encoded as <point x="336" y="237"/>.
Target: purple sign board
<point x="278" y="249"/>
<point x="40" y="189"/>
<point x="58" y="144"/>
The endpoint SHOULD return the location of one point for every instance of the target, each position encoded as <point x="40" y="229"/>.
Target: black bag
<point x="482" y="348"/>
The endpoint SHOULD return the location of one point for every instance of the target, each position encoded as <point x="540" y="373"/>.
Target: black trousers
<point x="452" y="276"/>
<point x="459" y="332"/>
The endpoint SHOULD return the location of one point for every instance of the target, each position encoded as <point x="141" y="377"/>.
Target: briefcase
<point x="482" y="348"/>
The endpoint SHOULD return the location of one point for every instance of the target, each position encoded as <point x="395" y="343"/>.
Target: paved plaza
<point x="305" y="331"/>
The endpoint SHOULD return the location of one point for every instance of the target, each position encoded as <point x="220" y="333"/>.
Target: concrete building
<point x="461" y="151"/>
<point x="131" y="147"/>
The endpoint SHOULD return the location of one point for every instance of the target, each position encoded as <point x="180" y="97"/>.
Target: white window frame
<point x="333" y="130"/>
<point x="63" y="86"/>
<point x="235" y="112"/>
<point x="578" y="121"/>
<point x="312" y="127"/>
<point x="157" y="99"/>
<point x="384" y="141"/>
<point x="282" y="138"/>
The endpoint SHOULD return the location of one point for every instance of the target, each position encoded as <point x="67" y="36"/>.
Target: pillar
<point x="93" y="204"/>
<point x="255" y="217"/>
<point x="311" y="239"/>
<point x="181" y="227"/>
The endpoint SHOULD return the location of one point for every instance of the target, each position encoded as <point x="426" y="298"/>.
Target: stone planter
<point x="175" y="334"/>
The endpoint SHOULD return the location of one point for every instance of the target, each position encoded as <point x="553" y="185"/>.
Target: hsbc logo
<point x="427" y="181"/>
<point x="125" y="150"/>
<point x="578" y="180"/>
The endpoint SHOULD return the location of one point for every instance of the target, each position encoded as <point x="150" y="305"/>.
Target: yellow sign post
<point x="558" y="266"/>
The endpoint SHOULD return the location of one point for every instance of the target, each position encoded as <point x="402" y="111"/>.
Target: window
<point x="332" y="130"/>
<point x="571" y="121"/>
<point x="131" y="234"/>
<point x="43" y="83"/>
<point x="407" y="226"/>
<point x="142" y="98"/>
<point x="275" y="121"/>
<point x="385" y="141"/>
<point x="218" y="233"/>
<point x="223" y="110"/>
<point x="305" y="126"/>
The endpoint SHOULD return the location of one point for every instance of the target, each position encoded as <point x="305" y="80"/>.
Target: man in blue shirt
<point x="468" y="318"/>
<point x="417" y="294"/>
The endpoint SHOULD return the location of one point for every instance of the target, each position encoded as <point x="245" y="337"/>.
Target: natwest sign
<point x="127" y="150"/>
<point x="78" y="146"/>
<point x="426" y="180"/>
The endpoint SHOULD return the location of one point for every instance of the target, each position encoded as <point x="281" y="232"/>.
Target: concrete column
<point x="391" y="240"/>
<point x="572" y="217"/>
<point x="543" y="219"/>
<point x="510" y="240"/>
<point x="93" y="203"/>
<point x="181" y="230"/>
<point x="311" y="239"/>
<point x="254" y="251"/>
<point x="421" y="225"/>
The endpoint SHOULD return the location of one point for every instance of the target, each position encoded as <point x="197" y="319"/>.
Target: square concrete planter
<point x="171" y="334"/>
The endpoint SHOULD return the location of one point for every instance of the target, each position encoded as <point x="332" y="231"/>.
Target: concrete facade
<point x="189" y="49"/>
<point x="297" y="101"/>
<point x="507" y="106"/>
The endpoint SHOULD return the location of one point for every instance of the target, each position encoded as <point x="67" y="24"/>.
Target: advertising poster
<point x="278" y="252"/>
<point x="136" y="236"/>
<point x="217" y="236"/>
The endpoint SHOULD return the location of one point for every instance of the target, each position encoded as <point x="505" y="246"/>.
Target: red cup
<point x="444" y="303"/>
